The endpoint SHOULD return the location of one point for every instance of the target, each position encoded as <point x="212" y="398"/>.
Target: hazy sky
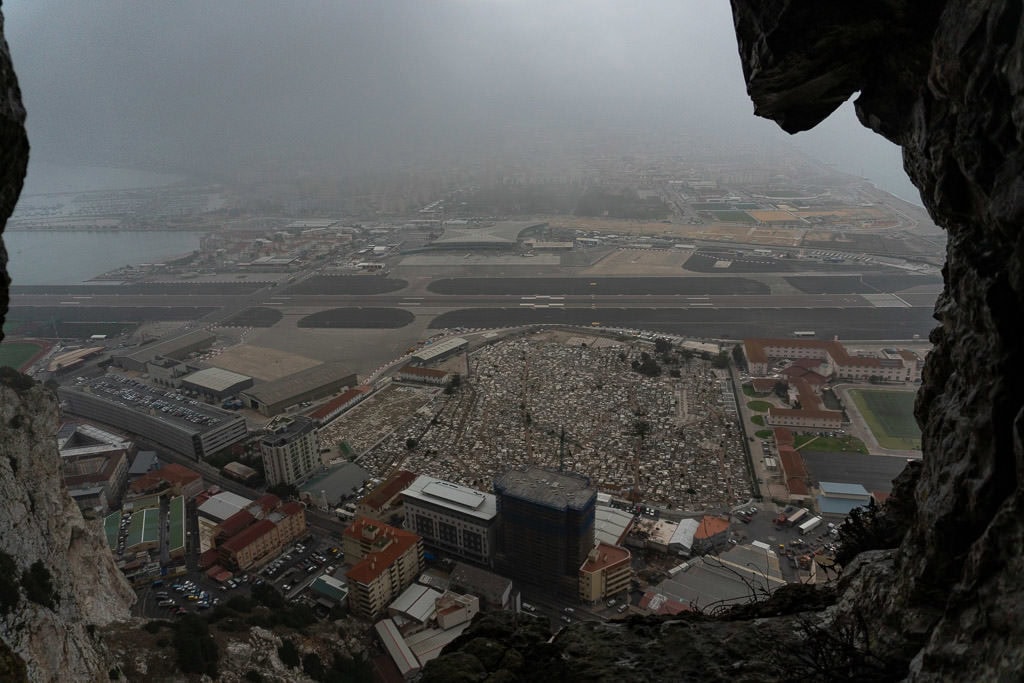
<point x="195" y="84"/>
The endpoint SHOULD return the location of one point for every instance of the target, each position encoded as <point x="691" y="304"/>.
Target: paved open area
<point x="873" y="472"/>
<point x="598" y="286"/>
<point x="261" y="362"/>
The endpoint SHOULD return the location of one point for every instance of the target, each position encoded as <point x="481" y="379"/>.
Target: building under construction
<point x="547" y="525"/>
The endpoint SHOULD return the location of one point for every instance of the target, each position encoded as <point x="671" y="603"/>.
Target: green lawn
<point x="748" y="390"/>
<point x="759" y="406"/>
<point x="764" y="433"/>
<point x="16" y="354"/>
<point x="830" y="444"/>
<point x="758" y="420"/>
<point x="890" y="416"/>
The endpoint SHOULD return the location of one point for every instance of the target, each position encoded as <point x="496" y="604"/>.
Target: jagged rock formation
<point x="13" y="156"/>
<point x="945" y="81"/>
<point x="39" y="523"/>
<point x="58" y="581"/>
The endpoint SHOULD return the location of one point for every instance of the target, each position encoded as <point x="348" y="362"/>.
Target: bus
<point x="803" y="334"/>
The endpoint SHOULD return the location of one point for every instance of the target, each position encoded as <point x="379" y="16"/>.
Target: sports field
<point x="890" y="416"/>
<point x="16" y="354"/>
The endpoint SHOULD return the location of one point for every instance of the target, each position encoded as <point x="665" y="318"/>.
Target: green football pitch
<point x="890" y="416"/>
<point x="16" y="354"/>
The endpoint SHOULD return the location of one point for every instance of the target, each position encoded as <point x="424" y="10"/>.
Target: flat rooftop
<point x="453" y="496"/>
<point x="299" y="383"/>
<point x="168" y="406"/>
<point x="545" y="487"/>
<point x="216" y="379"/>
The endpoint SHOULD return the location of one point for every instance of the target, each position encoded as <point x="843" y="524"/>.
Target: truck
<point x="809" y="525"/>
<point x="795" y="517"/>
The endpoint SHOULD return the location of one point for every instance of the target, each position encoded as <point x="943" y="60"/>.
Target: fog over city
<point x="352" y="87"/>
<point x="366" y="317"/>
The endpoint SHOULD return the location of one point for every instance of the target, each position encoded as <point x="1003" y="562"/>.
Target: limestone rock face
<point x="945" y="81"/>
<point x="13" y="156"/>
<point x="40" y="522"/>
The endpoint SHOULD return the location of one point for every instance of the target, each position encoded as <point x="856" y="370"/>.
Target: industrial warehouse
<point x="271" y="398"/>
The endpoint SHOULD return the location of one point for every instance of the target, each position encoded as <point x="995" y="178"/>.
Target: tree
<point x="738" y="357"/>
<point x="197" y="651"/>
<point x="662" y="346"/>
<point x="721" y="361"/>
<point x="38" y="585"/>
<point x="411" y="443"/>
<point x="781" y="389"/>
<point x="288" y="653"/>
<point x="646" y="365"/>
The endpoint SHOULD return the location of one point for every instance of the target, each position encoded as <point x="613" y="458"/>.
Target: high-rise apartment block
<point x="290" y="450"/>
<point x="547" y="525"/>
<point x="386" y="561"/>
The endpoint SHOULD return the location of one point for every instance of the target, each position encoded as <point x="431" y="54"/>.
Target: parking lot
<point x="291" y="572"/>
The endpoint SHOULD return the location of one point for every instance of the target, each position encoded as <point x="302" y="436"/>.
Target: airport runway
<point x="872" y="306"/>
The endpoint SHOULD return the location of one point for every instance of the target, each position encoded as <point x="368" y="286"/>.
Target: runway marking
<point x="882" y="300"/>
<point x="697" y="303"/>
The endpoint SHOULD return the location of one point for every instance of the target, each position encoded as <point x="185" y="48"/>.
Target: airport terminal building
<point x="185" y="426"/>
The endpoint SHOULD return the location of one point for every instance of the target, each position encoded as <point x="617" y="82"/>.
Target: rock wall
<point x="39" y="522"/>
<point x="59" y="581"/>
<point x="945" y="81"/>
<point x="13" y="157"/>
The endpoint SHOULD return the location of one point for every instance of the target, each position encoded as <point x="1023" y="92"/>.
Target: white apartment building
<point x="456" y="519"/>
<point x="290" y="450"/>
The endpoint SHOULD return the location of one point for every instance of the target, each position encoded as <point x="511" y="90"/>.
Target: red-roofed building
<point x="386" y="561"/>
<point x="606" y="572"/>
<point x="385" y="500"/>
<point x="175" y="479"/>
<point x="794" y="473"/>
<point x="234" y="525"/>
<point x="833" y="358"/>
<point x="412" y="373"/>
<point x="764" y="385"/>
<point x="808" y="419"/>
<point x="656" y="603"/>
<point x="246" y="540"/>
<point x="713" y="532"/>
<point x="783" y="437"/>
<point x="337" y="405"/>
